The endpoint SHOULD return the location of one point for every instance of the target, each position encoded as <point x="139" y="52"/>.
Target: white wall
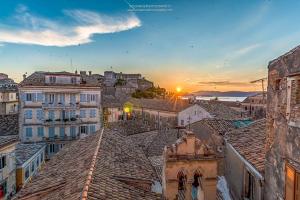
<point x="192" y="114"/>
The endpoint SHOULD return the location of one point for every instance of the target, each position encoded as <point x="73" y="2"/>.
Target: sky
<point x="195" y="44"/>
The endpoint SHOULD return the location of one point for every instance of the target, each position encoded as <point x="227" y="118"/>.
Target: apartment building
<point x="8" y="95"/>
<point x="8" y="166"/>
<point x="56" y="107"/>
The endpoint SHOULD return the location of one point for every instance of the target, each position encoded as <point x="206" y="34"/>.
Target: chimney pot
<point x="82" y="72"/>
<point x="90" y="72"/>
<point x="24" y="76"/>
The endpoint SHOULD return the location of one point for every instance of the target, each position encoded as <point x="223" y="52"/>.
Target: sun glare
<point x="178" y="89"/>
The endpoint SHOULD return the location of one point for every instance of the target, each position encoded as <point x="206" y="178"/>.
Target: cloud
<point x="223" y="83"/>
<point x="83" y="25"/>
<point x="247" y="49"/>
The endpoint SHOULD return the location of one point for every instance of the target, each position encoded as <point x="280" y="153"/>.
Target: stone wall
<point x="283" y="138"/>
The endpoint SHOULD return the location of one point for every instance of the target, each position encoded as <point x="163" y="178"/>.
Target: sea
<point x="232" y="99"/>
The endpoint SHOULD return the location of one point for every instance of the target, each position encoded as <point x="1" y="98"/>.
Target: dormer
<point x="62" y="79"/>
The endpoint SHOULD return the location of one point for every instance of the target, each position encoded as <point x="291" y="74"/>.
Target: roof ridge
<point x="90" y="173"/>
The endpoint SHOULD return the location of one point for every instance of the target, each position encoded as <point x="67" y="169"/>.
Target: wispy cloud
<point x="223" y="83"/>
<point x="245" y="50"/>
<point x="83" y="25"/>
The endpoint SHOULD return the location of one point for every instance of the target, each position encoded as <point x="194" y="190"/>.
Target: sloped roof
<point x="250" y="142"/>
<point x="110" y="101"/>
<point x="38" y="79"/>
<point x="63" y="177"/>
<point x="25" y="151"/>
<point x="219" y="110"/>
<point x="118" y="166"/>
<point x="171" y="105"/>
<point x="212" y="125"/>
<point x="9" y="124"/>
<point x="7" y="140"/>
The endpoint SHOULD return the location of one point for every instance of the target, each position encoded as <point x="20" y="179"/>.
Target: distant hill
<point x="223" y="94"/>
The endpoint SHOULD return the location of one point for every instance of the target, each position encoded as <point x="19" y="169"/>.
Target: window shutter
<point x="289" y="183"/>
<point x="297" y="187"/>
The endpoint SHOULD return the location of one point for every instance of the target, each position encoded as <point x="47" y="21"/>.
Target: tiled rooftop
<point x="7" y="140"/>
<point x="64" y="176"/>
<point x="250" y="142"/>
<point x="131" y="127"/>
<point x="38" y="79"/>
<point x="9" y="124"/>
<point x="110" y="101"/>
<point x="118" y="169"/>
<point x="171" y="105"/>
<point x="26" y="151"/>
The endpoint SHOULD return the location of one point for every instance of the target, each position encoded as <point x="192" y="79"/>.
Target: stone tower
<point x="190" y="170"/>
<point x="283" y="127"/>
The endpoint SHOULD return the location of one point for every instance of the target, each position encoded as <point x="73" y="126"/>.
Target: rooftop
<point x="25" y="151"/>
<point x="9" y="124"/>
<point x="110" y="101"/>
<point x="250" y="142"/>
<point x="8" y="140"/>
<point x="38" y="79"/>
<point x="171" y="105"/>
<point x="117" y="166"/>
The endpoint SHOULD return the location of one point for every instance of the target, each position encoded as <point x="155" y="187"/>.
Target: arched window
<point x="197" y="189"/>
<point x="181" y="180"/>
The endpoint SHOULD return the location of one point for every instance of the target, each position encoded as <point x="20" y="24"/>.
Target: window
<point x="41" y="131"/>
<point x="92" y="113"/>
<point x="27" y="173"/>
<point x="40" y="97"/>
<point x="37" y="162"/>
<point x="32" y="167"/>
<point x="62" y="132"/>
<point x="28" y="114"/>
<point x="72" y="98"/>
<point x="83" y="98"/>
<point x="51" y="132"/>
<point x="51" y="115"/>
<point x="277" y="84"/>
<point x="29" y="96"/>
<point x="92" y="128"/>
<point x="181" y="181"/>
<point x="40" y="114"/>
<point x="245" y="107"/>
<point x="52" y="79"/>
<point x="249" y="184"/>
<point x="62" y="98"/>
<point x="2" y="162"/>
<point x="73" y="80"/>
<point x="51" y="148"/>
<point x="72" y="113"/>
<point x="73" y="131"/>
<point x="292" y="183"/>
<point x="51" y="98"/>
<point x="94" y="97"/>
<point x="28" y="131"/>
<point x="42" y="157"/>
<point x="83" y="129"/>
<point x="82" y="114"/>
<point x="182" y="122"/>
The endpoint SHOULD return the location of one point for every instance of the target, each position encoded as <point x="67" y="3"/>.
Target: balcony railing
<point x="58" y="105"/>
<point x="73" y="120"/>
<point x="60" y="138"/>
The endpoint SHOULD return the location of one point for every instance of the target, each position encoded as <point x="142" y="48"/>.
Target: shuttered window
<point x="292" y="184"/>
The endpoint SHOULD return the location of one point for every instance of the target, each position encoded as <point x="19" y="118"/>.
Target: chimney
<point x="76" y="72"/>
<point x="24" y="76"/>
<point x="90" y="73"/>
<point x="82" y="72"/>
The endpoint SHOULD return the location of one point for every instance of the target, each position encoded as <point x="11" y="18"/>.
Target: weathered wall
<point x="283" y="140"/>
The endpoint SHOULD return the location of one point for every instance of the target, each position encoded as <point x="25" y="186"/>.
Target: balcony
<point x="66" y="121"/>
<point x="59" y="105"/>
<point x="60" y="138"/>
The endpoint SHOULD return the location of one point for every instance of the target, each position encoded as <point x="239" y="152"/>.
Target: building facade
<point x="7" y="166"/>
<point x="29" y="160"/>
<point x="58" y="107"/>
<point x="189" y="170"/>
<point x="255" y="106"/>
<point x="8" y="95"/>
<point x="283" y="128"/>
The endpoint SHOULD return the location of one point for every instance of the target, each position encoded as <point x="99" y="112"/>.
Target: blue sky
<point x="196" y="44"/>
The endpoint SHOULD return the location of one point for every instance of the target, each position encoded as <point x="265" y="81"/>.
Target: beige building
<point x="282" y="169"/>
<point x="7" y="166"/>
<point x="8" y="95"/>
<point x="56" y="107"/>
<point x="190" y="170"/>
<point x="255" y="106"/>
